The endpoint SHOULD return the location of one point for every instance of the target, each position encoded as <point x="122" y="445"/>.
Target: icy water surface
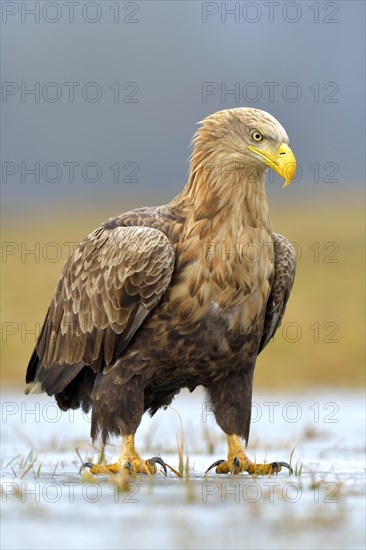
<point x="47" y="504"/>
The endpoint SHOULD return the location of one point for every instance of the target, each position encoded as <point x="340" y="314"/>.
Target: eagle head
<point x="248" y="137"/>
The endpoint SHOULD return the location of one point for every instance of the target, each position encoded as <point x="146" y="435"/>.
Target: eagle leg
<point x="129" y="461"/>
<point x="238" y="461"/>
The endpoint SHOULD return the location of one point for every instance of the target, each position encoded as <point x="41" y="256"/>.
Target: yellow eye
<point x="256" y="135"/>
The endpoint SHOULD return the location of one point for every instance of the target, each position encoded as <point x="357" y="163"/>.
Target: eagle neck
<point x="225" y="203"/>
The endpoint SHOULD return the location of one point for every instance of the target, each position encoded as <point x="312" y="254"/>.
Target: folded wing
<point x="108" y="286"/>
<point x="285" y="267"/>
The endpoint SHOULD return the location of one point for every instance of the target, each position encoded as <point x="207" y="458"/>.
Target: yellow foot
<point x="236" y="466"/>
<point x="133" y="465"/>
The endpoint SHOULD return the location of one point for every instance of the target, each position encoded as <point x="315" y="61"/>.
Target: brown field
<point x="321" y="340"/>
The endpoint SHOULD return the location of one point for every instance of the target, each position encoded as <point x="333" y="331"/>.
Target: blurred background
<point x="99" y="103"/>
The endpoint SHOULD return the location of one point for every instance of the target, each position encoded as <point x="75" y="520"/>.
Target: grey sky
<point x="301" y="61"/>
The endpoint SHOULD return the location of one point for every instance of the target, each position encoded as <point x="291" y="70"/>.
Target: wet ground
<point x="47" y="504"/>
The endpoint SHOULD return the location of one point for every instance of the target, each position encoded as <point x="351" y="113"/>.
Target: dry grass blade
<point x="54" y="470"/>
<point x="180" y="445"/>
<point x="173" y="470"/>
<point x="291" y="455"/>
<point x="25" y="461"/>
<point x="29" y="467"/>
<point x="12" y="460"/>
<point x="38" y="474"/>
<point x="101" y="458"/>
<point x="186" y="469"/>
<point x="79" y="455"/>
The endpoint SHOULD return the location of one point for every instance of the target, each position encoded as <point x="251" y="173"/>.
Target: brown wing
<point x="285" y="266"/>
<point x="109" y="285"/>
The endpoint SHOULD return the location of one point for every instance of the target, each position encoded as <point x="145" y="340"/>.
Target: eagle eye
<point x="256" y="135"/>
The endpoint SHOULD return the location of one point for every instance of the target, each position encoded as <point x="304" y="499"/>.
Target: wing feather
<point x="285" y="267"/>
<point x="109" y="285"/>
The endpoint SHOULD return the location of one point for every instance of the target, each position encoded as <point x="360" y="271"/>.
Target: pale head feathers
<point x="222" y="167"/>
<point x="228" y="132"/>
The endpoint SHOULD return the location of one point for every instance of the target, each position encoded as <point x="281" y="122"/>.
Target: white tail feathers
<point x="33" y="387"/>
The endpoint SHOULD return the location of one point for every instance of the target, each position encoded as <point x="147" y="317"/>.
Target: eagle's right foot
<point x="129" y="462"/>
<point x="130" y="466"/>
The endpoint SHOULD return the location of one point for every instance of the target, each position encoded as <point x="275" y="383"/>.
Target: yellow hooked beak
<point x="283" y="161"/>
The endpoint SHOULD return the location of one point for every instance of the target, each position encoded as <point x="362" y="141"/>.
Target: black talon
<point x="128" y="466"/>
<point x="217" y="463"/>
<point x="236" y="464"/>
<point x="285" y="465"/>
<point x="157" y="459"/>
<point x="86" y="465"/>
<point x="276" y="466"/>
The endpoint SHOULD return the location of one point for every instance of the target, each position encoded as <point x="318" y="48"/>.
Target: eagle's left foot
<point x="238" y="462"/>
<point x="133" y="465"/>
<point x="237" y="466"/>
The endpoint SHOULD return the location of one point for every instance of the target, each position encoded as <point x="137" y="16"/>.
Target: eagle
<point x="176" y="296"/>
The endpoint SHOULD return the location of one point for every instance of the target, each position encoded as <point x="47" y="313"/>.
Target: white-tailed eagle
<point x="176" y="296"/>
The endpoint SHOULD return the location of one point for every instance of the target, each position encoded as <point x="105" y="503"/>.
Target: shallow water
<point x="47" y="504"/>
